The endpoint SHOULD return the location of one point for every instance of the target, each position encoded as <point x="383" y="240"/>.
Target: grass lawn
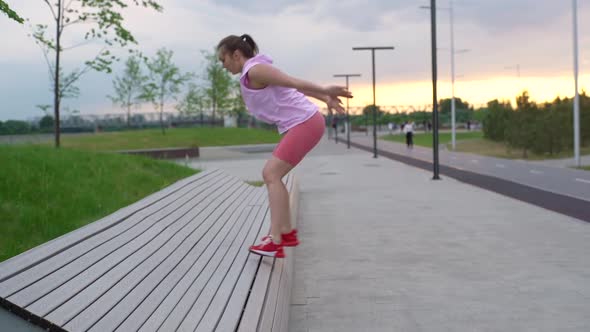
<point x="500" y="150"/>
<point x="425" y="139"/>
<point x="473" y="142"/>
<point x="46" y="192"/>
<point x="177" y="137"/>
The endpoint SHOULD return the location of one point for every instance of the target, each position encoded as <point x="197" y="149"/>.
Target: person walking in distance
<point x="277" y="98"/>
<point x="409" y="130"/>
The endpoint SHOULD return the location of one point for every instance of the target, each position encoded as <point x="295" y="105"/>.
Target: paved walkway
<point x="385" y="248"/>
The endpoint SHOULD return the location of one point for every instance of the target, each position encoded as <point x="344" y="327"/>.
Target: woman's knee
<point x="269" y="175"/>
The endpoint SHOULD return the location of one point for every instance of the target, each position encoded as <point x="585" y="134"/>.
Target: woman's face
<point x="230" y="61"/>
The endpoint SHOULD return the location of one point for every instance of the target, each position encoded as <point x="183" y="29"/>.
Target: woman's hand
<point x="337" y="91"/>
<point x="334" y="103"/>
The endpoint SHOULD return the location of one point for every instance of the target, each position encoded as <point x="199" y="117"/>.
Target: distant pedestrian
<point x="409" y="130"/>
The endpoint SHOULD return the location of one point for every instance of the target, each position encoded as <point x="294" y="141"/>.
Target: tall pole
<point x="347" y="113"/>
<point x="372" y="49"/>
<point x="453" y="128"/>
<point x="577" y="160"/>
<point x="434" y="96"/>
<point x="453" y="99"/>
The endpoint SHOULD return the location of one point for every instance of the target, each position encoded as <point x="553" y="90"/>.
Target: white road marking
<point x="534" y="171"/>
<point x="500" y="165"/>
<point x="475" y="161"/>
<point x="582" y="180"/>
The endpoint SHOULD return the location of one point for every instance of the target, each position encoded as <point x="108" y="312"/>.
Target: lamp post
<point x="577" y="160"/>
<point x="347" y="115"/>
<point x="453" y="107"/>
<point x="372" y="49"/>
<point x="435" y="164"/>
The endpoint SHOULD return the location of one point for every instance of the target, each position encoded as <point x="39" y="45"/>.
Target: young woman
<point x="277" y="98"/>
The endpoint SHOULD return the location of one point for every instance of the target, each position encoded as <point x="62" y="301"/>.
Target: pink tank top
<point x="281" y="106"/>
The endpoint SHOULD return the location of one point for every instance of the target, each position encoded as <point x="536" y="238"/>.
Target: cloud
<point x="313" y="40"/>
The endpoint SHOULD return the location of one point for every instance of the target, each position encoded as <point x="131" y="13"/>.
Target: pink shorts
<point x="299" y="140"/>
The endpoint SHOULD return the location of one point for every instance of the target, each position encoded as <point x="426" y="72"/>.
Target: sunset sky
<point x="313" y="40"/>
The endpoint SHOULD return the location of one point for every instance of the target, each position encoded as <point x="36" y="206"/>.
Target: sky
<point x="313" y="40"/>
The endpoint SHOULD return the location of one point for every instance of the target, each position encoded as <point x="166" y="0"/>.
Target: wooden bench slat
<point x="44" y="251"/>
<point x="138" y="284"/>
<point x="187" y="301"/>
<point x="73" y="295"/>
<point x="93" y="311"/>
<point x="45" y="267"/>
<point x="145" y="304"/>
<point x="257" y="300"/>
<point x="216" y="303"/>
<point x="230" y="317"/>
<point x="159" y="305"/>
<point x="223" y="279"/>
<point x="57" y="287"/>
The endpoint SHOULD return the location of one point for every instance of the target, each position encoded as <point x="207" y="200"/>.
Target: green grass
<point x="501" y="150"/>
<point x="46" y="192"/>
<point x="473" y="142"/>
<point x="179" y="137"/>
<point x="425" y="139"/>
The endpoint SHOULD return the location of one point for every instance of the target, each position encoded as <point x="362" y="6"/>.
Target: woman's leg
<point x="278" y="197"/>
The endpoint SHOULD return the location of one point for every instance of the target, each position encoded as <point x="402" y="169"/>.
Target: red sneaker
<point x="287" y="240"/>
<point x="268" y="248"/>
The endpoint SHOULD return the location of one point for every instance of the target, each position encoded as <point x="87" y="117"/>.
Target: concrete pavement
<point x="385" y="248"/>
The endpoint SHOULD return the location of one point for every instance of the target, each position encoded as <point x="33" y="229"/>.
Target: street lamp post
<point x="453" y="107"/>
<point x="577" y="160"/>
<point x="347" y="115"/>
<point x="434" y="96"/>
<point x="372" y="49"/>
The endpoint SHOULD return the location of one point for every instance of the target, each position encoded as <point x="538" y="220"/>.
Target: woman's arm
<point x="263" y="75"/>
<point x="319" y="96"/>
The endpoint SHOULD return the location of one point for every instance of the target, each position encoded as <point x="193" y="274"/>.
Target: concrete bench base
<point x="168" y="153"/>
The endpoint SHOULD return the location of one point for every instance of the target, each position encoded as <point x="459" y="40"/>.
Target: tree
<point x="107" y="25"/>
<point x="445" y="105"/>
<point x="219" y="84"/>
<point x="164" y="82"/>
<point x="46" y="124"/>
<point x="193" y="102"/>
<point x="237" y="105"/>
<point x="128" y="87"/>
<point x="496" y="120"/>
<point x="11" y="13"/>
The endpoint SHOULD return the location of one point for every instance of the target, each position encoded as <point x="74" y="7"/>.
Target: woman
<point x="277" y="98"/>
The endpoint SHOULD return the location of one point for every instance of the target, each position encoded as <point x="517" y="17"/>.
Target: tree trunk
<point x="56" y="91"/>
<point x="162" y="116"/>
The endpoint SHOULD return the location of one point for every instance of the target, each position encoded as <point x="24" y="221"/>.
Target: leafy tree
<point x="496" y="120"/>
<point x="11" y="13"/>
<point x="45" y="108"/>
<point x="46" y="124"/>
<point x="128" y="87"/>
<point x="445" y="105"/>
<point x="193" y="101"/>
<point x="237" y="105"/>
<point x="164" y="81"/>
<point x="219" y="84"/>
<point x="106" y="23"/>
<point x="15" y="127"/>
<point x="522" y="129"/>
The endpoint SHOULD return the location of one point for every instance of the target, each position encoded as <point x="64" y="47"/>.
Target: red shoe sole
<point x="276" y="254"/>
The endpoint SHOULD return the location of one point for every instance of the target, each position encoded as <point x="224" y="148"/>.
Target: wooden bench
<point x="177" y="260"/>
